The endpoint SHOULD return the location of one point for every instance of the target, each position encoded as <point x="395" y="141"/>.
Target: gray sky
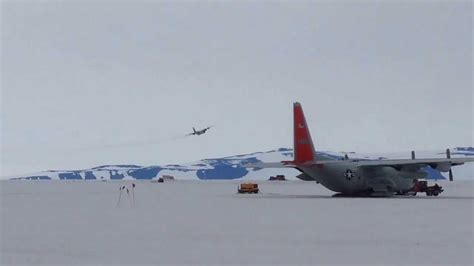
<point x="90" y="83"/>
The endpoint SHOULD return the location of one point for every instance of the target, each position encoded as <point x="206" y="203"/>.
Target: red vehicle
<point x="422" y="186"/>
<point x="277" y="177"/>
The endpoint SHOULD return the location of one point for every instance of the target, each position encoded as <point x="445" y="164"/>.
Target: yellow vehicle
<point x="248" y="188"/>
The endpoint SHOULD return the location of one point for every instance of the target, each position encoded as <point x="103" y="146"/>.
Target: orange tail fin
<point x="303" y="144"/>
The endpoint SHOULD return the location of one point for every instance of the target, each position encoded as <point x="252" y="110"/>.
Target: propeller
<point x="448" y="155"/>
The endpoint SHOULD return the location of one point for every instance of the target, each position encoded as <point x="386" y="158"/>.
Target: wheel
<point x="428" y="193"/>
<point x="435" y="193"/>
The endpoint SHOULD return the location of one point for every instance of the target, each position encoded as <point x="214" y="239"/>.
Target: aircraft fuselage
<point x="350" y="178"/>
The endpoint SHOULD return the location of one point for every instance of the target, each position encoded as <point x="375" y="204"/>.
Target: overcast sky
<point x="91" y="83"/>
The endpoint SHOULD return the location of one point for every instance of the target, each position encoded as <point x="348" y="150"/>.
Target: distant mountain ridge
<point x="232" y="167"/>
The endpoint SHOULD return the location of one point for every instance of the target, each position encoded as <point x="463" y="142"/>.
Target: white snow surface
<point x="206" y="223"/>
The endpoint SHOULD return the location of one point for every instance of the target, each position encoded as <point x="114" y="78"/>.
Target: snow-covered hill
<point x="233" y="167"/>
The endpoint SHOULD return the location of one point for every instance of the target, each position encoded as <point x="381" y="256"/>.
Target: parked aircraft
<point x="347" y="176"/>
<point x="199" y="132"/>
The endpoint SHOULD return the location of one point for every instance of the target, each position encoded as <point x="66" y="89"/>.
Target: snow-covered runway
<point x="206" y="222"/>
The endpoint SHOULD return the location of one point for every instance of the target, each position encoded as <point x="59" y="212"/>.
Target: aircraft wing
<point x="424" y="162"/>
<point x="442" y="164"/>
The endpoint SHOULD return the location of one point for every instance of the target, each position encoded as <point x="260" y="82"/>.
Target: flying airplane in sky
<point x="199" y="132"/>
<point x="353" y="176"/>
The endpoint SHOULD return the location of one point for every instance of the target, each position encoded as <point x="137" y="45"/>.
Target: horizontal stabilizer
<point x="266" y="165"/>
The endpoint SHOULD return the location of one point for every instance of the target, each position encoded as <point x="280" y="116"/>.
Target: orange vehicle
<point x="248" y="188"/>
